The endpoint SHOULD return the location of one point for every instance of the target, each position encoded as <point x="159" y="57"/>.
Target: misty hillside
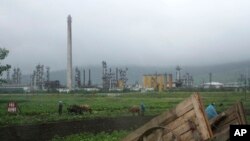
<point x="221" y="73"/>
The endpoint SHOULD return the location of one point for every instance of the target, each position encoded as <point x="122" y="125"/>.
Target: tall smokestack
<point x="210" y="79"/>
<point x="69" y="55"/>
<point x="84" y="77"/>
<point x="89" y="83"/>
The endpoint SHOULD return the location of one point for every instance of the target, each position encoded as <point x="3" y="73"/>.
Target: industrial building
<point x="113" y="80"/>
<point x="216" y="85"/>
<point x="158" y="82"/>
<point x="186" y="81"/>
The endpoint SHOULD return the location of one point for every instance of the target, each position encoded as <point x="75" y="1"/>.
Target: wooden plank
<point x="170" y="134"/>
<point x="172" y="114"/>
<point x="176" y="119"/>
<point x="193" y="132"/>
<point x="196" y="131"/>
<point x="229" y="119"/>
<point x="231" y="115"/>
<point x="182" y="129"/>
<point x="206" y="131"/>
<point x="179" y="113"/>
<point x="238" y="113"/>
<point x="222" y="136"/>
<point x="188" y="136"/>
<point x="215" y="121"/>
<point x="233" y="122"/>
<point x="135" y="135"/>
<point x="157" y="135"/>
<point x="220" y="126"/>
<point x="235" y="115"/>
<point x="179" y="121"/>
<point x="167" y="116"/>
<point x="241" y="113"/>
<point x="183" y="104"/>
<point x="230" y="110"/>
<point x="178" y="131"/>
<point x="171" y="137"/>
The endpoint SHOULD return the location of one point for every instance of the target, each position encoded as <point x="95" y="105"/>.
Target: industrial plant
<point x="161" y="82"/>
<point x="112" y="78"/>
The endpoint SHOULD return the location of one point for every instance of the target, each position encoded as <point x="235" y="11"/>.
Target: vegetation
<point x="3" y="55"/>
<point x="41" y="108"/>
<point x="114" y="136"/>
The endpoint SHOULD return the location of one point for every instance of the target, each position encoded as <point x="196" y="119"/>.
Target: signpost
<point x="12" y="107"/>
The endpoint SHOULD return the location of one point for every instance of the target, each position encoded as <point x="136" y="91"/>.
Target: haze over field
<point x="221" y="73"/>
<point x="159" y="33"/>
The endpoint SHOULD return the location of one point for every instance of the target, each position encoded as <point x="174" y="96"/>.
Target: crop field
<point x="43" y="108"/>
<point x="114" y="136"/>
<point x="40" y="108"/>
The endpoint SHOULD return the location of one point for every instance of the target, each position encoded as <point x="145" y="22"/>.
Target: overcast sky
<point x="125" y="32"/>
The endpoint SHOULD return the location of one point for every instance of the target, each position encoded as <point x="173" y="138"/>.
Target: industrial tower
<point x="69" y="55"/>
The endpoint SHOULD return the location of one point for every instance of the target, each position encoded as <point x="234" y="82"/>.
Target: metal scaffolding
<point x="187" y="81"/>
<point x="38" y="77"/>
<point x="178" y="81"/>
<point x="89" y="82"/>
<point x="16" y="76"/>
<point x="113" y="79"/>
<point x="123" y="76"/>
<point x="84" y="84"/>
<point x="77" y="78"/>
<point x="105" y="77"/>
<point x="48" y="74"/>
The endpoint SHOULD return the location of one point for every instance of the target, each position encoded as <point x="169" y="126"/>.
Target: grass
<point x="42" y="108"/>
<point x="114" y="136"/>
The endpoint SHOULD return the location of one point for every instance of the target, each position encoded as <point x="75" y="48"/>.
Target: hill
<point x="222" y="73"/>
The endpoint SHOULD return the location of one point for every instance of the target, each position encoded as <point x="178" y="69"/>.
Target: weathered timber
<point x="233" y="115"/>
<point x="187" y="121"/>
<point x="222" y="136"/>
<point x="221" y="124"/>
<point x="216" y="121"/>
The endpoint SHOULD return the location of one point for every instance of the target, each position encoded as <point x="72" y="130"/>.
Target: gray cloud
<point x="141" y="32"/>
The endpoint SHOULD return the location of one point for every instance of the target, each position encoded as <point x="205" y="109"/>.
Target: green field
<point x="114" y="136"/>
<point x="40" y="108"/>
<point x="43" y="108"/>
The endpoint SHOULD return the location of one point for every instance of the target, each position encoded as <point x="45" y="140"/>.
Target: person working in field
<point x="142" y="109"/>
<point x="211" y="111"/>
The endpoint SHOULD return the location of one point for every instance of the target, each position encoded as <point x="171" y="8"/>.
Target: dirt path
<point x="47" y="131"/>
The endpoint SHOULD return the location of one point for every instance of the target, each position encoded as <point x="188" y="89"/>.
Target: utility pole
<point x="245" y="88"/>
<point x="210" y="80"/>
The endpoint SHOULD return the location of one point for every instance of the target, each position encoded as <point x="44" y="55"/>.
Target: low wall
<point x="41" y="132"/>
